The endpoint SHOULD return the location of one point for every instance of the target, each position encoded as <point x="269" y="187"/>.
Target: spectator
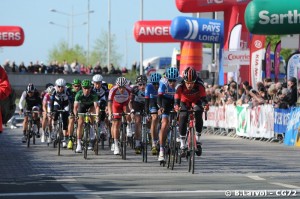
<point x="7" y="67"/>
<point x="82" y="69"/>
<point x="14" y="67"/>
<point x="105" y="70"/>
<point x="97" y="69"/>
<point x="49" y="69"/>
<point x="292" y="94"/>
<point x="75" y="67"/>
<point x="112" y="69"/>
<point x="43" y="68"/>
<point x="55" y="67"/>
<point x="60" y="68"/>
<point x="37" y="68"/>
<point x="30" y="67"/>
<point x="67" y="68"/>
<point x="22" y="68"/>
<point x="89" y="70"/>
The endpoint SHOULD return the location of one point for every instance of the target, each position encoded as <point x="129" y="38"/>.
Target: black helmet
<point x="189" y="74"/>
<point x="30" y="88"/>
<point x="141" y="79"/>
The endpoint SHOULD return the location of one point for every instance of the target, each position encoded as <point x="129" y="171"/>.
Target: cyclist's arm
<point x="75" y="109"/>
<point x="22" y="100"/>
<point x="109" y="106"/>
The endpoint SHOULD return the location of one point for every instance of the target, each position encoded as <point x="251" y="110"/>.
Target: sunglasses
<point x="86" y="87"/>
<point x="60" y="86"/>
<point x="171" y="80"/>
<point x="189" y="82"/>
<point x="155" y="83"/>
<point x="141" y="84"/>
<point x="76" y="86"/>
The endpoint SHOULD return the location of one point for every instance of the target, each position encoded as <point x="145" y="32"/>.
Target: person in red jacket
<point x="4" y="91"/>
<point x="190" y="94"/>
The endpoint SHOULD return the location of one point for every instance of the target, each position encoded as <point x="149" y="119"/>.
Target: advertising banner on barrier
<point x="242" y="127"/>
<point x="231" y="116"/>
<point x="292" y="127"/>
<point x="281" y="118"/>
<point x="197" y="29"/>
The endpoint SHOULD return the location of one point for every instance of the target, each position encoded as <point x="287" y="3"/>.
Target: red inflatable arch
<point x="11" y="36"/>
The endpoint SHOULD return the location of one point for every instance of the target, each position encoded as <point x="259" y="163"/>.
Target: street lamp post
<point x="141" y="45"/>
<point x="72" y="15"/>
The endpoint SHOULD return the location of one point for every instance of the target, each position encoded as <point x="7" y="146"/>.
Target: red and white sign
<point x="153" y="32"/>
<point x="241" y="57"/>
<point x="11" y="36"/>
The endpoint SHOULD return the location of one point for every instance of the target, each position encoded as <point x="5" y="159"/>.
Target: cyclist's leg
<point x="71" y="130"/>
<point x="25" y="122"/>
<point x="44" y="124"/>
<point x="116" y="124"/>
<point x="81" y="109"/>
<point x="92" y="134"/>
<point x="65" y="117"/>
<point x="154" y="124"/>
<point x="183" y="120"/>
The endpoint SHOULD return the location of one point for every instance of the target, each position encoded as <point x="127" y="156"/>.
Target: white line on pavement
<point x="285" y="185"/>
<point x="256" y="178"/>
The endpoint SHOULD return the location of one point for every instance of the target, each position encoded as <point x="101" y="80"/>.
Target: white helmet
<point x="60" y="82"/>
<point x="97" y="78"/>
<point x="51" y="90"/>
<point x="121" y="81"/>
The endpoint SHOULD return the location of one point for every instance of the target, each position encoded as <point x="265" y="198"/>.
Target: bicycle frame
<point x="123" y="134"/>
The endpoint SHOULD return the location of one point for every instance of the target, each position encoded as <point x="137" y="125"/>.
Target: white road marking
<point x="256" y="178"/>
<point x="285" y="185"/>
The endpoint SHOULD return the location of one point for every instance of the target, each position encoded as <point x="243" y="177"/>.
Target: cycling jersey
<point x="60" y="100"/>
<point x="137" y="95"/>
<point x="86" y="100"/>
<point x="30" y="101"/>
<point x="46" y="100"/>
<point x="151" y="98"/>
<point x="165" y="90"/>
<point x="189" y="97"/>
<point x="150" y="92"/>
<point x="103" y="92"/>
<point x="116" y="96"/>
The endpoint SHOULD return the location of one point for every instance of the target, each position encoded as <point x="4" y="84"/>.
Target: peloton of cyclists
<point x="190" y="93"/>
<point x="85" y="101"/>
<point x="118" y="100"/>
<point x="151" y="93"/>
<point x="165" y="102"/>
<point x="30" y="101"/>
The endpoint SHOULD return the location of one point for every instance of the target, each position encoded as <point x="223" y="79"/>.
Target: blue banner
<point x="281" y="118"/>
<point x="197" y="29"/>
<point x="292" y="127"/>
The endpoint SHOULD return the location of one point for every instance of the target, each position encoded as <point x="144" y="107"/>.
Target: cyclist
<point x="151" y="106"/>
<point x="76" y="86"/>
<point x="31" y="101"/>
<point x="137" y="104"/>
<point x="85" y="101"/>
<point x="60" y="101"/>
<point x="165" y="102"/>
<point x="46" y="105"/>
<point x="100" y="87"/>
<point x="190" y="93"/>
<point x="118" y="100"/>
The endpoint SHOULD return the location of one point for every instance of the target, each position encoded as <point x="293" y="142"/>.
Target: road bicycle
<point x="123" y="134"/>
<point x="32" y="128"/>
<point x="58" y="129"/>
<point x="87" y="125"/>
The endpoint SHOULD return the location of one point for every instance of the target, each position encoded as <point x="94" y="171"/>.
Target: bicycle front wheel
<point x="123" y="142"/>
<point x="86" y="132"/>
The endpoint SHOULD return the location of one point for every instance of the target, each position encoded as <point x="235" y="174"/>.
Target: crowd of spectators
<point x="64" y="67"/>
<point x="280" y="95"/>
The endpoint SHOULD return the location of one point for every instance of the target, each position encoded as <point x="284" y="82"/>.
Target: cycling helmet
<point x="86" y="83"/>
<point x="155" y="77"/>
<point x="30" y="88"/>
<point x="141" y="79"/>
<point x="51" y="90"/>
<point x="35" y="108"/>
<point x="189" y="74"/>
<point x="49" y="84"/>
<point x="172" y="73"/>
<point x="68" y="85"/>
<point x="97" y="78"/>
<point x="76" y="82"/>
<point x="121" y="81"/>
<point x="60" y="82"/>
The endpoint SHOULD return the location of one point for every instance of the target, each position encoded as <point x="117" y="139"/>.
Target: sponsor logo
<point x="10" y="36"/>
<point x="245" y="57"/>
<point x="291" y="17"/>
<point x="215" y="1"/>
<point x="257" y="43"/>
<point x="155" y="31"/>
<point x="212" y="27"/>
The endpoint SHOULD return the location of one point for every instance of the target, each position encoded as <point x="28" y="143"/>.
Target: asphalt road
<point x="229" y="166"/>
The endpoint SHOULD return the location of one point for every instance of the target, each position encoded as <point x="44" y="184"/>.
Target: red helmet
<point x="189" y="74"/>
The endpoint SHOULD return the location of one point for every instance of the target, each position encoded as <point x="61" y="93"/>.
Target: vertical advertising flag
<point x="268" y="60"/>
<point x="277" y="60"/>
<point x="256" y="57"/>
<point x="293" y="65"/>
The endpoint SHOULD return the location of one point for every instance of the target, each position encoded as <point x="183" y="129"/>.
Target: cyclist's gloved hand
<point x="21" y="112"/>
<point x="176" y="107"/>
<point x="196" y="108"/>
<point x="206" y="107"/>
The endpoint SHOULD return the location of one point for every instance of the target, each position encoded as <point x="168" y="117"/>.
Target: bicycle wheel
<point x="191" y="157"/>
<point x="86" y="133"/>
<point x="97" y="139"/>
<point x="144" y="143"/>
<point x="28" y="133"/>
<point x="123" y="141"/>
<point x="75" y="137"/>
<point x="33" y="136"/>
<point x="47" y="134"/>
<point x="58" y="139"/>
<point x="173" y="147"/>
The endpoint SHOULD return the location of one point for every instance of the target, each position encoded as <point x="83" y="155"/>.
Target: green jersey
<point x="86" y="100"/>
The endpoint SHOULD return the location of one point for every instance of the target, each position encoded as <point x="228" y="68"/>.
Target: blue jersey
<point x="165" y="90"/>
<point x="150" y="92"/>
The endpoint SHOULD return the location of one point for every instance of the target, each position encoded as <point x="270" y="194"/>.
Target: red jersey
<point x="196" y="94"/>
